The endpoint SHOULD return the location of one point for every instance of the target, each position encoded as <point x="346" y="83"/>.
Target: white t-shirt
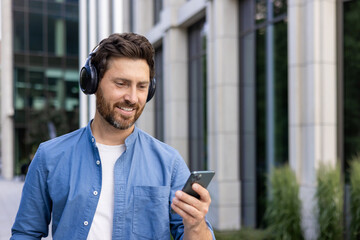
<point x="102" y="225"/>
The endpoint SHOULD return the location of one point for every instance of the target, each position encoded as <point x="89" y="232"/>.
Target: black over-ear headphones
<point x="89" y="79"/>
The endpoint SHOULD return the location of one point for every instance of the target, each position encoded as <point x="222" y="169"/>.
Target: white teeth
<point x="126" y="109"/>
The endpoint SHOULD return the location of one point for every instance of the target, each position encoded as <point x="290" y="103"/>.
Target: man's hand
<point x="193" y="212"/>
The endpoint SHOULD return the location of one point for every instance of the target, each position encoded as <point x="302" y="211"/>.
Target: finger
<point x="188" y="199"/>
<point x="184" y="209"/>
<point x="203" y="192"/>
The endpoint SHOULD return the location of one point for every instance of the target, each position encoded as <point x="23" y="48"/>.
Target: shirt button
<point x="98" y="162"/>
<point x="95" y="193"/>
<point x="86" y="223"/>
<point x="92" y="139"/>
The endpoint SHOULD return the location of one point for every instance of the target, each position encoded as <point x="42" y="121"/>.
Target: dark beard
<point x="106" y="111"/>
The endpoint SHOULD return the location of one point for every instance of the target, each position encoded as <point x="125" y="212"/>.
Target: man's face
<point x="122" y="92"/>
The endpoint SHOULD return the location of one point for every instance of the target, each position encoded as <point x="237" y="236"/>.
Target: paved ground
<point x="10" y="194"/>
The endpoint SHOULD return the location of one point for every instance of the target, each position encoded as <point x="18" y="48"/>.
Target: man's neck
<point x="107" y="134"/>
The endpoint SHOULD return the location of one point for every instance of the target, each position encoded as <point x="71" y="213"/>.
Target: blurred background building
<point x="39" y="77"/>
<point x="243" y="86"/>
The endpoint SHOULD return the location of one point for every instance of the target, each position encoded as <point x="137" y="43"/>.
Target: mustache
<point x="127" y="104"/>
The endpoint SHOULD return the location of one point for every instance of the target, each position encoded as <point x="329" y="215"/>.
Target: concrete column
<point x="83" y="48"/>
<point x="126" y="12"/>
<point x="118" y="16"/>
<point x="7" y="108"/>
<point x="223" y="99"/>
<point x="176" y="87"/>
<point x="105" y="17"/>
<point x="93" y="25"/>
<point x="312" y="96"/>
<point x="144" y="17"/>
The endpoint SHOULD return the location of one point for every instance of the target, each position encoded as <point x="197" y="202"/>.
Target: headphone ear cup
<point x="88" y="77"/>
<point x="152" y="88"/>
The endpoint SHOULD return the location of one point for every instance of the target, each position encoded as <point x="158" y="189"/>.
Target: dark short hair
<point x="130" y="45"/>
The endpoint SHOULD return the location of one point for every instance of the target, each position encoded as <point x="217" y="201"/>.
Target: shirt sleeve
<point x="178" y="179"/>
<point x="34" y="212"/>
<point x="180" y="175"/>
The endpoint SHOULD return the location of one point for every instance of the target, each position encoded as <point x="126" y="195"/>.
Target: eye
<point x="143" y="86"/>
<point x="120" y="84"/>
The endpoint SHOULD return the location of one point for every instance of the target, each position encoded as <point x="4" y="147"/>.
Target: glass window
<point x="36" y="5"/>
<point x="19" y="31"/>
<point x="55" y="9"/>
<point x="281" y="153"/>
<point x="263" y="76"/>
<point x="71" y="10"/>
<point x="72" y="35"/>
<point x="21" y="87"/>
<point x="51" y="22"/>
<point x="351" y="80"/>
<point x="45" y="71"/>
<point x="260" y="13"/>
<point x="157" y="10"/>
<point x="71" y="90"/>
<point x="280" y="7"/>
<point x="36" y="32"/>
<point x="18" y="3"/>
<point x="261" y="126"/>
<point x="197" y="96"/>
<point x="37" y="99"/>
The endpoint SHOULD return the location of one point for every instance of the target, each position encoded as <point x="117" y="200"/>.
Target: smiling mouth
<point x="126" y="109"/>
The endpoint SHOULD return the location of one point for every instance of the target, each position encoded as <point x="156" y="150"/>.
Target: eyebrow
<point x="128" y="80"/>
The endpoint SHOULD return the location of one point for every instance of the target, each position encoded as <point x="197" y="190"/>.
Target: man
<point x="110" y="180"/>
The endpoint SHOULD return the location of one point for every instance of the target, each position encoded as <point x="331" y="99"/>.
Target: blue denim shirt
<point x="65" y="175"/>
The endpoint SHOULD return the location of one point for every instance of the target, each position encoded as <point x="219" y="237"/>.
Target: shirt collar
<point x="128" y="141"/>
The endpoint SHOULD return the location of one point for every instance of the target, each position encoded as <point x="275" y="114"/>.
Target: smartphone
<point x="201" y="177"/>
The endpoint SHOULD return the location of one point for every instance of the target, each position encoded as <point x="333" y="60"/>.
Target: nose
<point x="131" y="95"/>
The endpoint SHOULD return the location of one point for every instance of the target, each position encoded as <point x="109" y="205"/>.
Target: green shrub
<point x="329" y="194"/>
<point x="283" y="210"/>
<point x="355" y="198"/>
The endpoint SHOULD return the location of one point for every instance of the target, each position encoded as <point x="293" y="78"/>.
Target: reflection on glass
<point x="281" y="93"/>
<point x="20" y="88"/>
<point x="36" y="95"/>
<point x="51" y="34"/>
<point x="54" y="8"/>
<point x="35" y="32"/>
<point x="260" y="13"/>
<point x="71" y="10"/>
<point x="19" y="31"/>
<point x="197" y="96"/>
<point x="280" y="7"/>
<point x="36" y="5"/>
<point x="281" y="148"/>
<point x="18" y="3"/>
<point x="260" y="59"/>
<point x="46" y="87"/>
<point x="72" y="35"/>
<point x="351" y="80"/>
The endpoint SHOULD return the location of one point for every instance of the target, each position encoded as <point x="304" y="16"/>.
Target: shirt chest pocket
<point x="151" y="212"/>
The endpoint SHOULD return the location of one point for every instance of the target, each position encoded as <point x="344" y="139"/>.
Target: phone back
<point x="201" y="177"/>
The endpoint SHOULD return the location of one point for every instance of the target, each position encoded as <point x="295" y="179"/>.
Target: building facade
<point x="243" y="86"/>
<point x="39" y="77"/>
<point x="246" y="86"/>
